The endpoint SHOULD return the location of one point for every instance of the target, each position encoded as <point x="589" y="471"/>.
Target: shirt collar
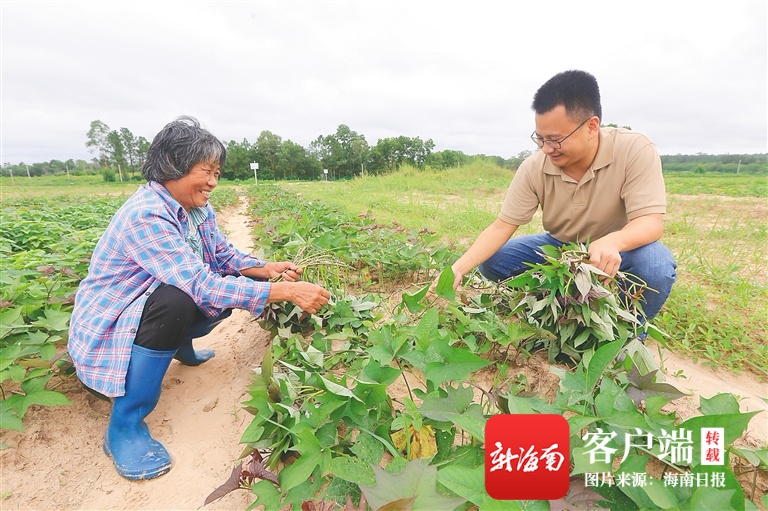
<point x="200" y="213"/>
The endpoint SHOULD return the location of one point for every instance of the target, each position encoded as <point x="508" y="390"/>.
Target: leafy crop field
<point x="45" y="246"/>
<point x="384" y="394"/>
<point x="717" y="231"/>
<point x="333" y="377"/>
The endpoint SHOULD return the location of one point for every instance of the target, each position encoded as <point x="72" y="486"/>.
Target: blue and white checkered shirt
<point x="145" y="245"/>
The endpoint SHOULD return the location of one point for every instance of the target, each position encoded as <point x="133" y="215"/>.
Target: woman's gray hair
<point x="179" y="146"/>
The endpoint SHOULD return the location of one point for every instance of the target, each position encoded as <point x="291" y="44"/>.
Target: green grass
<point x="23" y="186"/>
<point x="730" y="185"/>
<point x="715" y="225"/>
<point x="456" y="203"/>
<point x="717" y="311"/>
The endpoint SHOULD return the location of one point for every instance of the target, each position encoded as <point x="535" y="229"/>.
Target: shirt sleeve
<point x="644" y="191"/>
<point x="521" y="201"/>
<point x="156" y="245"/>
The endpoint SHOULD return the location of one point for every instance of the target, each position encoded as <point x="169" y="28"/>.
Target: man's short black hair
<point x="576" y="90"/>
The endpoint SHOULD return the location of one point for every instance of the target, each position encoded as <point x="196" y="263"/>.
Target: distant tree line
<point x="118" y="151"/>
<point x="727" y="163"/>
<point x="71" y="167"/>
<point x="343" y="154"/>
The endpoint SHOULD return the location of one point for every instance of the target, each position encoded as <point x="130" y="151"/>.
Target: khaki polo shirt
<point x="623" y="183"/>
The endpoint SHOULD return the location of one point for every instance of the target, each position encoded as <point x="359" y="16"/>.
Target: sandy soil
<point x="700" y="381"/>
<point x="58" y="462"/>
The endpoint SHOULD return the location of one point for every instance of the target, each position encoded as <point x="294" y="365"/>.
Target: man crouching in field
<point x="598" y="185"/>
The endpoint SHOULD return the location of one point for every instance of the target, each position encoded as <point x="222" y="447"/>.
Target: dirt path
<point x="58" y="463"/>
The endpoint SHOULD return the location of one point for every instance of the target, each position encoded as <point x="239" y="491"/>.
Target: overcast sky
<point x="693" y="76"/>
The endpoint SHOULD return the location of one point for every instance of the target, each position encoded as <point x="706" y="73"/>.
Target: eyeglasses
<point x="555" y="144"/>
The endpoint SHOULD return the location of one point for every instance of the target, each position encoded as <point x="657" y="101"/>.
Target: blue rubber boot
<point x="188" y="355"/>
<point x="127" y="441"/>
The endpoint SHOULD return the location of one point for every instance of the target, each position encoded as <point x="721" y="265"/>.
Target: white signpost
<point x="255" y="167"/>
<point x="325" y="173"/>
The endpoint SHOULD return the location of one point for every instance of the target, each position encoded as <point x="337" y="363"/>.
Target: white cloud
<point x="691" y="75"/>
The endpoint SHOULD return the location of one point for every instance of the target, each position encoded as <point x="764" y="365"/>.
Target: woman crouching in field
<point x="162" y="275"/>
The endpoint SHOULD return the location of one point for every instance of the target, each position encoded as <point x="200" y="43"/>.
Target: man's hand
<point x="457" y="276"/>
<point x="488" y="243"/>
<point x="605" y="252"/>
<point x="605" y="256"/>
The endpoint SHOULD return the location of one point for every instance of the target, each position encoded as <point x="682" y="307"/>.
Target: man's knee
<point x="652" y="259"/>
<point x="487" y="271"/>
<point x="659" y="268"/>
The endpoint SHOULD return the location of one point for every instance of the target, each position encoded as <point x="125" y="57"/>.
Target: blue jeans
<point x="654" y="264"/>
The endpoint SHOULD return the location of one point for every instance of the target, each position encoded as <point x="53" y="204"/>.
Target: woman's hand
<point x="310" y="297"/>
<point x="289" y="271"/>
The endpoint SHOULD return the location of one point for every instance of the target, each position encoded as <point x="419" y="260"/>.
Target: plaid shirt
<point x="145" y="245"/>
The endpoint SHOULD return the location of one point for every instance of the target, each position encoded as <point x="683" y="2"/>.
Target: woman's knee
<point x="175" y="302"/>
<point x="167" y="317"/>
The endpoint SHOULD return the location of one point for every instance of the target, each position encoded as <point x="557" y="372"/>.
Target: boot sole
<point x="138" y="475"/>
